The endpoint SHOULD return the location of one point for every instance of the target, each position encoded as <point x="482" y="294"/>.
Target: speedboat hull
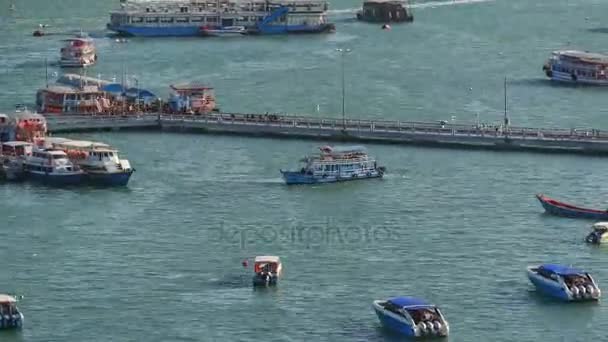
<point x="295" y="177"/>
<point x="14" y="321"/>
<point x="109" y="179"/>
<point x="558" y="208"/>
<point x="265" y="280"/>
<point x="393" y="322"/>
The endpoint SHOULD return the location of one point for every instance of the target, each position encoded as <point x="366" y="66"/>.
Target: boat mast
<point x="506" y="114"/>
<point x="46" y="71"/>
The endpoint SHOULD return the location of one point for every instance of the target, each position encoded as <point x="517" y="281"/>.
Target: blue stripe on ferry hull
<point x="56" y="180"/>
<point x="293" y="178"/>
<point x="193" y="31"/>
<point x="394" y="325"/>
<point x="110" y="179"/>
<point x="150" y="31"/>
<point x="284" y="29"/>
<point x="567" y="78"/>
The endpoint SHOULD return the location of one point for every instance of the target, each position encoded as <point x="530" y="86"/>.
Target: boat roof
<point x="600" y="225"/>
<point x="561" y="269"/>
<point x="190" y="86"/>
<point x="267" y="258"/>
<point x="16" y="143"/>
<point x="7" y="299"/>
<point x="82" y="144"/>
<point x="26" y="115"/>
<point x="344" y="149"/>
<point x="62" y="89"/>
<point x="410" y="302"/>
<point x="3" y="115"/>
<point x="592" y="57"/>
<point x="55" y="152"/>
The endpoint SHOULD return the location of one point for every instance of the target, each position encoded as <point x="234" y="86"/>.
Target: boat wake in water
<point x="431" y="4"/>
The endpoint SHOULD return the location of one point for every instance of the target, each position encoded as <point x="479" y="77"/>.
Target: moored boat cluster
<point x="28" y="154"/>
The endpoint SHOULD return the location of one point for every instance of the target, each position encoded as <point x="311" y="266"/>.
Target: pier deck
<point x="441" y="134"/>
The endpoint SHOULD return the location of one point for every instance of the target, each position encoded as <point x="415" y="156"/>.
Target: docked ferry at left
<point x="202" y="17"/>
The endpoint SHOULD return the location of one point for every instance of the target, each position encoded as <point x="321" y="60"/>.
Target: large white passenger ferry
<point x="197" y="17"/>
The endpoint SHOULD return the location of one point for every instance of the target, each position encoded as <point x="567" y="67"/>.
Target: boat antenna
<point x="506" y="114"/>
<point x="46" y="71"/>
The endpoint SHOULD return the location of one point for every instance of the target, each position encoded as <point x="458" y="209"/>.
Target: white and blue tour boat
<point x="52" y="167"/>
<point x="10" y="316"/>
<point x="412" y="317"/>
<point x="12" y="159"/>
<point x="563" y="282"/>
<point x="99" y="161"/>
<point x="188" y="17"/>
<point x="335" y="164"/>
<point x="579" y="67"/>
<point x="268" y="270"/>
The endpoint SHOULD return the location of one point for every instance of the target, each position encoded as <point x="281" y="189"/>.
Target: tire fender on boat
<point x="573" y="76"/>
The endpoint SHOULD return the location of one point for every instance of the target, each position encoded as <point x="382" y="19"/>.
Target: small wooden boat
<point x="555" y="207"/>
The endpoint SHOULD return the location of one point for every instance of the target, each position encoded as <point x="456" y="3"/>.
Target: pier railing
<point x="412" y="127"/>
<point x="303" y="123"/>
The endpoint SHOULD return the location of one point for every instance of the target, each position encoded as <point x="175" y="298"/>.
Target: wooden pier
<point x="440" y="134"/>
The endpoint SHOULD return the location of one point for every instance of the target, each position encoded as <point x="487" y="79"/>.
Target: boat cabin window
<point x="393" y="308"/>
<point x="546" y="273"/>
<point x="197" y="19"/>
<point x="152" y="20"/>
<point x="183" y="9"/>
<point x="212" y="19"/>
<point x="181" y="20"/>
<point x="137" y="20"/>
<point x="166" y="20"/>
<point x="58" y="156"/>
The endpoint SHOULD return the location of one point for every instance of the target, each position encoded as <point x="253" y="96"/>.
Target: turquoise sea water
<point x="161" y="259"/>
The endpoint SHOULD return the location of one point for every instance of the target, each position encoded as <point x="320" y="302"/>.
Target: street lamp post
<point x="342" y="53"/>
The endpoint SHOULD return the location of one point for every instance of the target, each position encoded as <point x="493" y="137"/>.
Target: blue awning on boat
<point x="561" y="269"/>
<point x="143" y="93"/>
<point x="409" y="301"/>
<point x="116" y="88"/>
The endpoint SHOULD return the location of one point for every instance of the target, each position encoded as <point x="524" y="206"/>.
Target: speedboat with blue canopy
<point x="335" y="164"/>
<point x="563" y="282"/>
<point x="412" y="317"/>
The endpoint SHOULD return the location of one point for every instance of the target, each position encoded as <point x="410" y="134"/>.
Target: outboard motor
<point x="583" y="291"/>
<point x="593" y="237"/>
<point x="430" y="327"/>
<point x="438" y="326"/>
<point x="574" y="291"/>
<point x="422" y="328"/>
